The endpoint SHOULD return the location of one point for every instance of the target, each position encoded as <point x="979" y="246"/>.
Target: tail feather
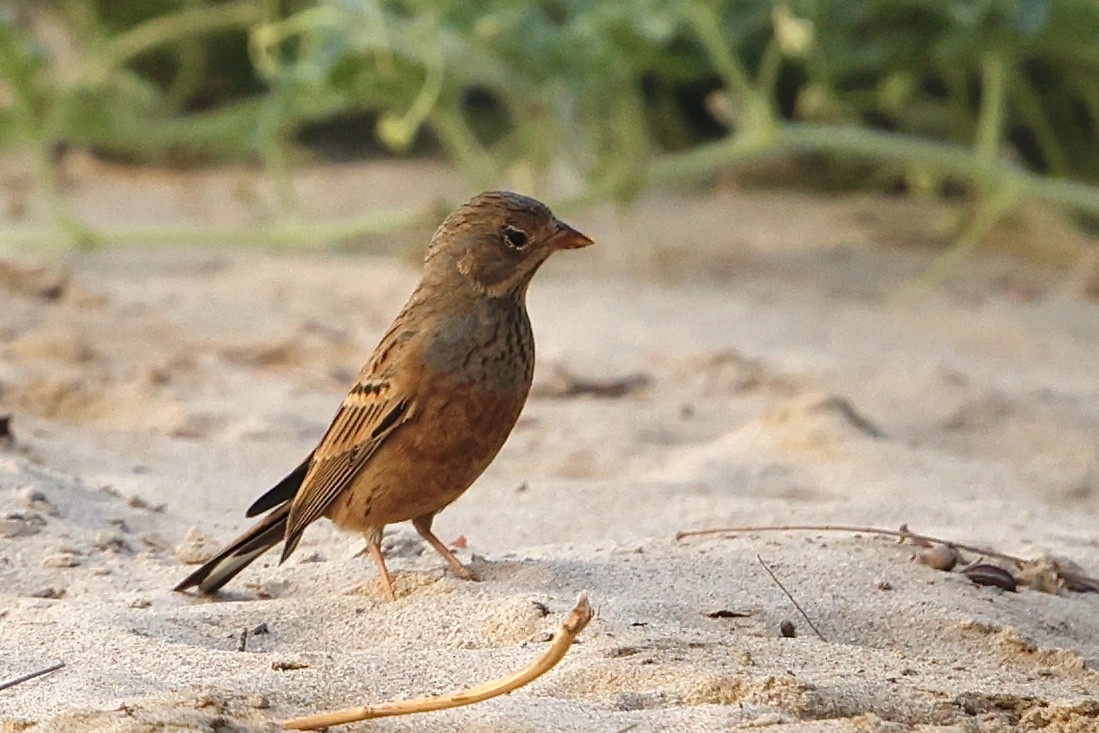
<point x="239" y="553"/>
<point x="283" y="491"/>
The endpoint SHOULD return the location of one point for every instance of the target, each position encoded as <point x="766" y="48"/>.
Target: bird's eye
<point x="515" y="238"/>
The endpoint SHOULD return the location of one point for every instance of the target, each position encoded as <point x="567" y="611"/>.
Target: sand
<point x="768" y="373"/>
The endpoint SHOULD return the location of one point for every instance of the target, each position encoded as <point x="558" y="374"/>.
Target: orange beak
<point x="565" y="237"/>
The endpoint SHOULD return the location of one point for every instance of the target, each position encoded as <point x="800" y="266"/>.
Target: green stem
<point x="990" y="118"/>
<point x="707" y="25"/>
<point x="856" y="142"/>
<point x="758" y="119"/>
<point x="175" y="26"/>
<point x="769" y="67"/>
<point x="987" y="213"/>
<point x="191" y="57"/>
<point x="462" y="146"/>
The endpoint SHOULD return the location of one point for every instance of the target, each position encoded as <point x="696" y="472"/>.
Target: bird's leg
<point x="423" y="526"/>
<point x="374" y="547"/>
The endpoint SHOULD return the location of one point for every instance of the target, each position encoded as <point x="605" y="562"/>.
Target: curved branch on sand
<point x="573" y="624"/>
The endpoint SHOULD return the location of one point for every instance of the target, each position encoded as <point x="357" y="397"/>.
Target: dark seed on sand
<point x="985" y="574"/>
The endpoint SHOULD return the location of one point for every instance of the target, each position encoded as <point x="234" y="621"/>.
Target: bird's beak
<point x="565" y="237"/>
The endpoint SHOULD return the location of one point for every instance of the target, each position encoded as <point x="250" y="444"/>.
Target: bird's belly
<point x="430" y="460"/>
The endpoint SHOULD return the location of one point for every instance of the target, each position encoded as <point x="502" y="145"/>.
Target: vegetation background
<point x="767" y="181"/>
<point x="990" y="101"/>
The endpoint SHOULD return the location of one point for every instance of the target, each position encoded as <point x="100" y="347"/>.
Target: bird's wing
<point x="369" y="414"/>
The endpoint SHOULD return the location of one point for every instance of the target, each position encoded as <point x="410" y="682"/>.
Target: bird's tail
<point x="239" y="553"/>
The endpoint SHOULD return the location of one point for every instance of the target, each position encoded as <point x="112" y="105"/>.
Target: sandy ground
<point x="776" y="379"/>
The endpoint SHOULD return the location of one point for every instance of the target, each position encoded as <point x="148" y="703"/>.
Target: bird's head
<point x="497" y="240"/>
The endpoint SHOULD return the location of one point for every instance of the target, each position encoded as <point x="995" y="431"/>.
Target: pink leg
<point x="423" y="526"/>
<point x="375" y="549"/>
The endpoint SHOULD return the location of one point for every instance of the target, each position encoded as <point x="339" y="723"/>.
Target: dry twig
<point x="573" y="624"/>
<point x="30" y="676"/>
<point x="797" y="605"/>
<point x="1074" y="578"/>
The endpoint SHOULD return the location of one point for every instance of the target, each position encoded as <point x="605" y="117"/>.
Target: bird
<point x="432" y="406"/>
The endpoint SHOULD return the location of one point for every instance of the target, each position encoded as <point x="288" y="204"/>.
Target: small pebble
<point x="195" y="549"/>
<point x="939" y="557"/>
<point x="61" y="560"/>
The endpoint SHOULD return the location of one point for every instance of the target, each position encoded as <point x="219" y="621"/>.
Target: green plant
<point x="999" y="95"/>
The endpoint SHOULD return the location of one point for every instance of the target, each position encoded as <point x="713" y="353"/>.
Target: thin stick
<point x="797" y="605"/>
<point x="574" y="623"/>
<point x="903" y="533"/>
<point x="30" y="676"/>
<point x="1075" y="579"/>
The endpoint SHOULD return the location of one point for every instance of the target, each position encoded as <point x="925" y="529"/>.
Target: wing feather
<point x="368" y="415"/>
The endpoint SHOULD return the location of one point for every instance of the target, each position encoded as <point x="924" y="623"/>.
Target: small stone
<point x="61" y="560"/>
<point x="939" y="557"/>
<point x="195" y="549"/>
<point x="787" y="629"/>
<point x="259" y="702"/>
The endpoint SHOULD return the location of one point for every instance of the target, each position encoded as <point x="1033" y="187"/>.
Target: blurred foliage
<point x="617" y="95"/>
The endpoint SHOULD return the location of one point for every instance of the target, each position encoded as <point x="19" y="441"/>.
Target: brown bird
<point x="434" y="404"/>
